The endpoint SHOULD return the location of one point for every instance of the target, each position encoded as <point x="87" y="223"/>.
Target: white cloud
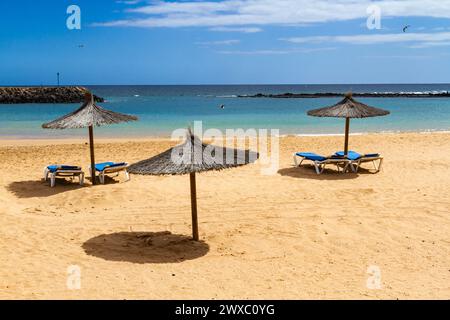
<point x="418" y="38"/>
<point x="400" y="57"/>
<point x="275" y="52"/>
<point x="430" y="44"/>
<point x="228" y="13"/>
<point x="237" y="29"/>
<point x="129" y="2"/>
<point x="255" y="52"/>
<point x="218" y="43"/>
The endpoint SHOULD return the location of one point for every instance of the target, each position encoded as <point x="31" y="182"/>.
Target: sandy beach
<point x="293" y="235"/>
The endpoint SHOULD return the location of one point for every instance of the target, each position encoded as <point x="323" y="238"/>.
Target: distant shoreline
<point x="364" y="95"/>
<point x="75" y="94"/>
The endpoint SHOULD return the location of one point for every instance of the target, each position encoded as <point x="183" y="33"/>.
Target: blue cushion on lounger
<point x="352" y="155"/>
<point x="311" y="156"/>
<point x="372" y="155"/>
<point x="55" y="167"/>
<point x="104" y="165"/>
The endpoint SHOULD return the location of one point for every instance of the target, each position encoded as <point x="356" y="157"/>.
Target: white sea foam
<point x="227" y="96"/>
<point x="329" y="134"/>
<point x="426" y="131"/>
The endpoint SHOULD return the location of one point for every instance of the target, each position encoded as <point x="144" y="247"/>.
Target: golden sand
<point x="293" y="235"/>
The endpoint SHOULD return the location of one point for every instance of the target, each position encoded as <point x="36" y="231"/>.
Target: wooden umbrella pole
<point x="347" y="131"/>
<point x="91" y="147"/>
<point x="194" y="207"/>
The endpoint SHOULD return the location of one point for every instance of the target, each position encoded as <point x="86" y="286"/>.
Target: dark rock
<point x="11" y="95"/>
<point x="289" y="95"/>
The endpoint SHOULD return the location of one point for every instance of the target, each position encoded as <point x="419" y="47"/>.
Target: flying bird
<point x="222" y="106"/>
<point x="81" y="46"/>
<point x="406" y="28"/>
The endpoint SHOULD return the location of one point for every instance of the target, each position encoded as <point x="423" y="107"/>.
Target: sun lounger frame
<point x="110" y="170"/>
<point x="355" y="164"/>
<point x="63" y="173"/>
<point x="319" y="166"/>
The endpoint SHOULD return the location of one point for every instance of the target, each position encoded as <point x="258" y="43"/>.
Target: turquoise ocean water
<point x="161" y="109"/>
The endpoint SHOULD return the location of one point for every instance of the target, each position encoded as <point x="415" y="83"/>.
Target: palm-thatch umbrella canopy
<point x="191" y="157"/>
<point x="348" y="108"/>
<point x="89" y="115"/>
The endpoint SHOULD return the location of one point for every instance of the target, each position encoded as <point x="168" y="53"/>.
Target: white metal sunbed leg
<point x="349" y="164"/>
<point x="127" y="175"/>
<point x="377" y="168"/>
<point x="356" y="166"/>
<point x="102" y="177"/>
<point x="322" y="168"/>
<point x="81" y="177"/>
<point x="46" y="172"/>
<point x="298" y="164"/>
<point x="319" y="168"/>
<point x="295" y="160"/>
<point x="52" y="179"/>
<point x="380" y="165"/>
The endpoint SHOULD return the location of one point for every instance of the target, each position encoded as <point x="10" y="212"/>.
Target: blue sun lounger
<point x="320" y="162"/>
<point x="109" y="167"/>
<point x="356" y="159"/>
<point x="55" y="170"/>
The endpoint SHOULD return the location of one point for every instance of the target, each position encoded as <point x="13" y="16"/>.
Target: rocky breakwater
<point x="11" y="95"/>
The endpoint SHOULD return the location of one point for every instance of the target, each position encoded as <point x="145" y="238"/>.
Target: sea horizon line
<point x="225" y="84"/>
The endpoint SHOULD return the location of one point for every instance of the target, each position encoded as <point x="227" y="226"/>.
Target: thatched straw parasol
<point x="89" y="115"/>
<point x="348" y="108"/>
<point x="191" y="157"/>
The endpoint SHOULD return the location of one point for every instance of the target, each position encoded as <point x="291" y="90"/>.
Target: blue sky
<point x="225" y="42"/>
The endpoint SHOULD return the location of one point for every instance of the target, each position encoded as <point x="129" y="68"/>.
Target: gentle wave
<point x="228" y="96"/>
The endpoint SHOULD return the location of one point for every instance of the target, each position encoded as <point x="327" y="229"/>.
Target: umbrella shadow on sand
<point x="108" y="180"/>
<point x="40" y="188"/>
<point x="145" y="247"/>
<point x="307" y="172"/>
